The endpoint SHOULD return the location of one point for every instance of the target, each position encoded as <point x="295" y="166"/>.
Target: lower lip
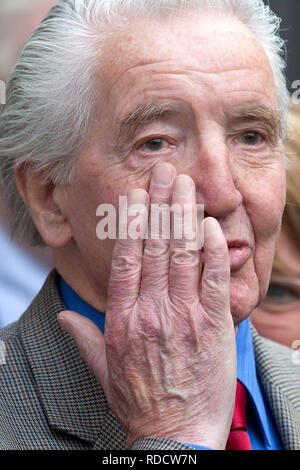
<point x="238" y="256"/>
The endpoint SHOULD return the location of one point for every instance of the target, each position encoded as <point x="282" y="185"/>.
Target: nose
<point x="216" y="179"/>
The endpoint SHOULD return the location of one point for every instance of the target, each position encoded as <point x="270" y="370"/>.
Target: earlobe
<point x="44" y="202"/>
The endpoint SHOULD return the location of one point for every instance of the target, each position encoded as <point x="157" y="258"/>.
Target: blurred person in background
<point x="278" y="317"/>
<point x="23" y="269"/>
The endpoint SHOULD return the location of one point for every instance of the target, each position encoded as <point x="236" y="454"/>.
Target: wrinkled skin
<point x="168" y="361"/>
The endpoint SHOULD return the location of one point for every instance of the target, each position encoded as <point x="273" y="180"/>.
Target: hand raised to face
<point x="167" y="363"/>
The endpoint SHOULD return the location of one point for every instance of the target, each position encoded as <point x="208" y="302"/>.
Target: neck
<point x="72" y="268"/>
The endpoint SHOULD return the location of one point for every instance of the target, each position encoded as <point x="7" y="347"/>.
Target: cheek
<point x="94" y="186"/>
<point x="265" y="201"/>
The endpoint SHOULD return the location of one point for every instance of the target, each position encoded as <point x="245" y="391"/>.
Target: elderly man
<point x="168" y="102"/>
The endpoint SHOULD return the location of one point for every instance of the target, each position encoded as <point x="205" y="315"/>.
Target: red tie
<point x="238" y="438"/>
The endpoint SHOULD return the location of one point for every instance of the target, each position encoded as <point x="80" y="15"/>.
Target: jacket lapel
<point x="280" y="380"/>
<point x="72" y="400"/>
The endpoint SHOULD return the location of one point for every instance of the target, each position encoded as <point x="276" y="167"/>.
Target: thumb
<point x="89" y="340"/>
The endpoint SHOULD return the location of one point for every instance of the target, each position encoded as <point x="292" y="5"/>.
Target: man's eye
<point x="154" y="145"/>
<point x="280" y="295"/>
<point x="250" y="138"/>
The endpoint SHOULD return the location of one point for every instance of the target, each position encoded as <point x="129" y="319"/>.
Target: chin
<point x="244" y="297"/>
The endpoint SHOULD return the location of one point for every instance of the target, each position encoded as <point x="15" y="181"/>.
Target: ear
<point x="44" y="201"/>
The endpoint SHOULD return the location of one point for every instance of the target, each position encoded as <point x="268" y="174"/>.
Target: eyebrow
<point x="263" y="114"/>
<point x="144" y="114"/>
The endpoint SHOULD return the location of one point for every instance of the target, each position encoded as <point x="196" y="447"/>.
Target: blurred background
<point x="23" y="269"/>
<point x="289" y="11"/>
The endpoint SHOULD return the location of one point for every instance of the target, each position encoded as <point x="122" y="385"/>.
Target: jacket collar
<point x="280" y="380"/>
<point x="72" y="399"/>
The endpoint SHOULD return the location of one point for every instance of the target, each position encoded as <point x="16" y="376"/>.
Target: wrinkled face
<point x="220" y="128"/>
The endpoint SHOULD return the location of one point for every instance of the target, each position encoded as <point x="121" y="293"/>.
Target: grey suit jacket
<point x="49" y="399"/>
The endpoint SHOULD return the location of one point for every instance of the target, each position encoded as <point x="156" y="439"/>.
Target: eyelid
<point x="241" y="132"/>
<point x="267" y="134"/>
<point x="162" y="141"/>
<point x="238" y="136"/>
<point x="261" y="135"/>
<point x="147" y="139"/>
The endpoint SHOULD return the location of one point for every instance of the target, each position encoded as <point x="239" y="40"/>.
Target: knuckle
<point x="149" y="322"/>
<point x="220" y="252"/>
<point x="124" y="263"/>
<point x="114" y="343"/>
<point x="156" y="249"/>
<point x="210" y="284"/>
<point x="218" y="264"/>
<point x="183" y="257"/>
<point x="150" y="330"/>
<point x="216" y="278"/>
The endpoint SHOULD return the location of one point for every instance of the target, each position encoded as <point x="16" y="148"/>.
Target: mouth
<point x="239" y="253"/>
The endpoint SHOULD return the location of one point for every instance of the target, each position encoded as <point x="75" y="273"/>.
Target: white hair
<point x="52" y="91"/>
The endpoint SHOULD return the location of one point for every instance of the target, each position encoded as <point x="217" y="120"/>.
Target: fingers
<point x="155" y="274"/>
<point x="89" y="340"/>
<point x="215" y="285"/>
<point x="185" y="259"/>
<point x="126" y="264"/>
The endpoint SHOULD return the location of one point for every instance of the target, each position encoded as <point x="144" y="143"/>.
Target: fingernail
<point x="163" y="174"/>
<point x="211" y="226"/>
<point x="183" y="185"/>
<point x="138" y="196"/>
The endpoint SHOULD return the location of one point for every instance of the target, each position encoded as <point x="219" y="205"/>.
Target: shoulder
<point x="11" y="349"/>
<point x="22" y="421"/>
<point x="278" y="368"/>
<point x="272" y="355"/>
<point x="17" y="391"/>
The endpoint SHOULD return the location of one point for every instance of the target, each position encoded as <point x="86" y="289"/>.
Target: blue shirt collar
<point x="246" y="373"/>
<point x="73" y="302"/>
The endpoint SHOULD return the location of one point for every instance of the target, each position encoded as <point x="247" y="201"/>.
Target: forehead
<point x="204" y="52"/>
